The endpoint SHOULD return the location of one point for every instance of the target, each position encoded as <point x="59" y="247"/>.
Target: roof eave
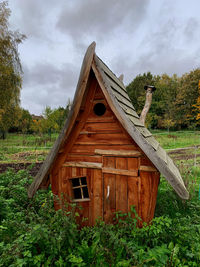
<point x="135" y="134"/>
<point x="80" y="89"/>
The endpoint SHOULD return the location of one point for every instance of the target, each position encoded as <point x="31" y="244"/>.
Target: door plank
<point x="110" y="201"/>
<point x="121" y="193"/>
<point x="96" y="196"/>
<point x="133" y="199"/>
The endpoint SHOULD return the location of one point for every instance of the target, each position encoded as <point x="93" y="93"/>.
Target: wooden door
<point x="118" y="173"/>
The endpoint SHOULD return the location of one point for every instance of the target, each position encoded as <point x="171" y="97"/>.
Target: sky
<point x="132" y="37"/>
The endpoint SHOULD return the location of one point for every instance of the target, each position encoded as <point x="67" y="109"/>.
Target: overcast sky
<point x="132" y="36"/>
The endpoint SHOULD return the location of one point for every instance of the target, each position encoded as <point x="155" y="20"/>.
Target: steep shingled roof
<point x="120" y="103"/>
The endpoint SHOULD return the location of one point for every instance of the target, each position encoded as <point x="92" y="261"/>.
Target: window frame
<point x="80" y="186"/>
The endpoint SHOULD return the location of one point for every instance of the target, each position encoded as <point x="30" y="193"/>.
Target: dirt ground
<point x="183" y="154"/>
<point x="21" y="166"/>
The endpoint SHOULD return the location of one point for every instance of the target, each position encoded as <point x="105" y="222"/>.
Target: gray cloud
<point x="47" y="85"/>
<point x="133" y="37"/>
<point x="191" y="29"/>
<point x="163" y="50"/>
<point x="101" y="18"/>
<point x="35" y="17"/>
<point x="48" y="74"/>
<point x="31" y="18"/>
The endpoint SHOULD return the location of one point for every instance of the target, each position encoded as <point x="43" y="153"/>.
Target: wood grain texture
<point x="87" y="158"/>
<point x="149" y="147"/>
<point x="155" y="182"/>
<point x="103" y="139"/>
<point x="102" y="127"/>
<point x="121" y="193"/>
<point x="147" y="168"/>
<point x="120" y="172"/>
<point x="83" y="164"/>
<point x="90" y="149"/>
<point x="110" y="202"/>
<point x="148" y="194"/>
<point x="133" y="195"/>
<point x="77" y="127"/>
<point x="132" y="164"/>
<point x="121" y="186"/>
<point x="97" y="199"/>
<point x="128" y="153"/>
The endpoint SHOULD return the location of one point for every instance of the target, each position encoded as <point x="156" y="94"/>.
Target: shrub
<point x="32" y="233"/>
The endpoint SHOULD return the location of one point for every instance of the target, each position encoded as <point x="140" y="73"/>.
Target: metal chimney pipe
<point x="149" y="90"/>
<point x="121" y="77"/>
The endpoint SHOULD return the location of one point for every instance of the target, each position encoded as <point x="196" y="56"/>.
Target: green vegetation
<point x="10" y="69"/>
<point x="25" y="148"/>
<point x="177" y="139"/>
<point x="33" y="148"/>
<point x="176" y="102"/>
<point x="32" y="233"/>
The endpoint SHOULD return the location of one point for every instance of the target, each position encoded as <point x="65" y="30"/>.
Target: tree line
<point x="50" y="121"/>
<point x="176" y="101"/>
<point x="12" y="117"/>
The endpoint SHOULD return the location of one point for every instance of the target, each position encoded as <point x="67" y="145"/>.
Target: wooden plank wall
<point x="92" y="132"/>
<point x="123" y="188"/>
<point x="90" y="210"/>
<point x="126" y="190"/>
<point x="100" y="132"/>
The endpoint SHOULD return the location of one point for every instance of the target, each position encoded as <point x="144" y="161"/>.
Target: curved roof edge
<point x="116" y="95"/>
<point x="80" y="89"/>
<point x="120" y="103"/>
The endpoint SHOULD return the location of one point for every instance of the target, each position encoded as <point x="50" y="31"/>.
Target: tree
<point x="137" y="95"/>
<point x="187" y="99"/>
<point x="136" y="89"/>
<point x="10" y="70"/>
<point x="54" y="118"/>
<point x="25" y="121"/>
<point x="165" y="98"/>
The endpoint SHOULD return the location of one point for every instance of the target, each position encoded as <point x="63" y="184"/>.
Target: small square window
<point x="79" y="188"/>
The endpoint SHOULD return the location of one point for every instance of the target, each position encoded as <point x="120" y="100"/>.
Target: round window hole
<point x="99" y="109"/>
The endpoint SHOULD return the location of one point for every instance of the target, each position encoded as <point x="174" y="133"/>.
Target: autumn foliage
<point x="176" y="102"/>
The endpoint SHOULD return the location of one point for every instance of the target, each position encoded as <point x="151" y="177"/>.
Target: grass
<point x="17" y="148"/>
<point x="32" y="233"/>
<point x="177" y="139"/>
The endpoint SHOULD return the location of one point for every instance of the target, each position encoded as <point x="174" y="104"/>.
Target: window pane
<point x="83" y="181"/>
<point x="77" y="193"/>
<point x="75" y="182"/>
<point x="85" y="192"/>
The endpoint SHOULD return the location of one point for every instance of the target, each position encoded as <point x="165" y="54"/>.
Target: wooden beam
<point x="148" y="169"/>
<point x="93" y="165"/>
<point x="132" y="153"/>
<point x="120" y="172"/>
<point x="80" y="90"/>
<point x="169" y="171"/>
<point x="80" y="200"/>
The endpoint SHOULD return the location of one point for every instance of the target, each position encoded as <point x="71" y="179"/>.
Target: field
<point x="33" y="234"/>
<point x="19" y="148"/>
<point x="182" y="146"/>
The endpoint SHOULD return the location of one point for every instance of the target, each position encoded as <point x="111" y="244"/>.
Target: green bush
<point x="32" y="233"/>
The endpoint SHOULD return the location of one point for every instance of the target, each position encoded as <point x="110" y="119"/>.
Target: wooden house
<point x="105" y="160"/>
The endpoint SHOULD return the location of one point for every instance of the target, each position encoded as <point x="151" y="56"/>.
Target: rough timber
<point x="120" y="103"/>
